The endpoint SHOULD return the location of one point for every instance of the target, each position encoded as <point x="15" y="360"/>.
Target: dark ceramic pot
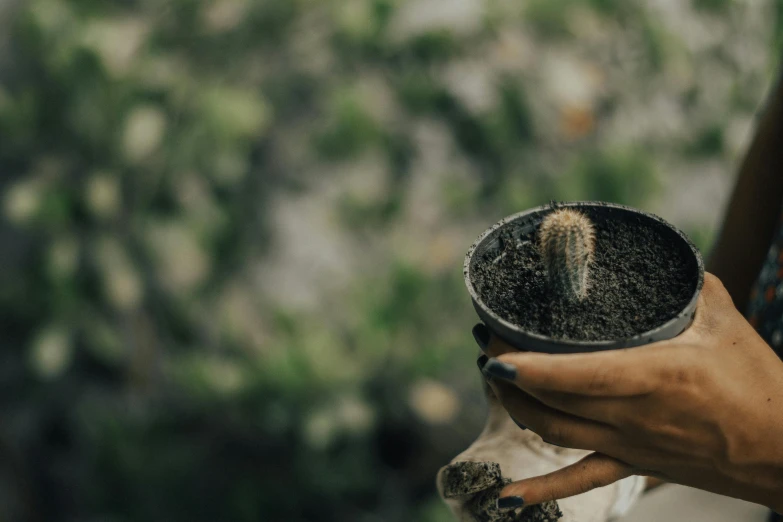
<point x="527" y="221"/>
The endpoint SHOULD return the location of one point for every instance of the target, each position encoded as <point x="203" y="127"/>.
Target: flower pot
<point x="676" y="247"/>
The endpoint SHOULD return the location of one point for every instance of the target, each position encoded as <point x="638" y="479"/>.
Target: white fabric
<point x="628" y="492"/>
<point x="673" y="503"/>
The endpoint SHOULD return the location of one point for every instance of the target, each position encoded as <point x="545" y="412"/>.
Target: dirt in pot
<point x="639" y="279"/>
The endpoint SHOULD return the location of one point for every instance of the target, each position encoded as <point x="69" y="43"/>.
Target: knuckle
<point x="682" y="375"/>
<point x="601" y="380"/>
<point x="677" y="376"/>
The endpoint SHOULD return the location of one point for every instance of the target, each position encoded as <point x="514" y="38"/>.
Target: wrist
<point x="776" y="491"/>
<point x="756" y="471"/>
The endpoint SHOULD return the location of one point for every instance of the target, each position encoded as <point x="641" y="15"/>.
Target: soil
<point x="468" y="478"/>
<point x="482" y="482"/>
<point x="640" y="278"/>
<point x="484" y="508"/>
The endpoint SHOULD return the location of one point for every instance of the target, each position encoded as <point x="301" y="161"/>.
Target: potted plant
<point x="584" y="276"/>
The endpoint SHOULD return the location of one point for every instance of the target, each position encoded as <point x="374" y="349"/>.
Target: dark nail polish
<point x="519" y="423"/>
<point x="481" y="335"/>
<point x="499" y="369"/>
<point x="481" y="361"/>
<point x="506" y="503"/>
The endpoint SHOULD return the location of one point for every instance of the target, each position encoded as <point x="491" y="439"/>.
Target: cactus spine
<point x="566" y="241"/>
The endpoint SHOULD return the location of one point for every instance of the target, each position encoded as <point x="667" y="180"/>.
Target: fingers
<point x="628" y="372"/>
<point x="609" y="410"/>
<point x="614" y="373"/>
<point x="498" y="347"/>
<point x="594" y="471"/>
<point x="613" y="411"/>
<point x="555" y="427"/>
<point x="490" y="344"/>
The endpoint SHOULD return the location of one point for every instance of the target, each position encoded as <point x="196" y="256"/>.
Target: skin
<point x="703" y="409"/>
<point x="753" y="213"/>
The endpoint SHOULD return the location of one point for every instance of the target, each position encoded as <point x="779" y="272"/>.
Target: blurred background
<point x="231" y="231"/>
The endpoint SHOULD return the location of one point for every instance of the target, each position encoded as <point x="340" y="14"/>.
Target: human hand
<point x="704" y="409"/>
<point x="503" y="452"/>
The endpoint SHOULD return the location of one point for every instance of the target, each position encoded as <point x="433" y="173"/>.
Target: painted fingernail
<point x="506" y="503"/>
<point x="499" y="369"/>
<point x="481" y="335"/>
<point x="519" y="423"/>
<point x="481" y="361"/>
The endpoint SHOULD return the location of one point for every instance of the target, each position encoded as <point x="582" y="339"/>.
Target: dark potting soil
<point x="482" y="481"/>
<point x="639" y="279"/>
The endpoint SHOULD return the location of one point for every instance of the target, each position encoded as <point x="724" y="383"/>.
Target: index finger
<point x="498" y="346"/>
<point x="612" y="373"/>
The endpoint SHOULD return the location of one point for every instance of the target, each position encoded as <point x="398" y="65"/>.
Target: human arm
<point x="753" y="212"/>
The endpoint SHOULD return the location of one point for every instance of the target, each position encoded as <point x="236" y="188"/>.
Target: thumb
<point x="594" y="471"/>
<point x="712" y="309"/>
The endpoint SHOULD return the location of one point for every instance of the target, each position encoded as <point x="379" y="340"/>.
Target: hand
<point x="704" y="409"/>
<point x="470" y="484"/>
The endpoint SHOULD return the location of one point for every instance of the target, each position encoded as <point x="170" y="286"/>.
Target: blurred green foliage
<point x="232" y="230"/>
<point x="712" y="5"/>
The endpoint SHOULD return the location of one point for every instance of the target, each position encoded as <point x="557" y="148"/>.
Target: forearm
<point x="754" y="209"/>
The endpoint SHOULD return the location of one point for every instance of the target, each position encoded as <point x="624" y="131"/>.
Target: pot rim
<point x="594" y="345"/>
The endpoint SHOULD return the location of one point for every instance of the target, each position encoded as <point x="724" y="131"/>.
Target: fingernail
<point x="481" y="361"/>
<point x="499" y="369"/>
<point x="519" y="423"/>
<point x="481" y="335"/>
<point x="506" y="503"/>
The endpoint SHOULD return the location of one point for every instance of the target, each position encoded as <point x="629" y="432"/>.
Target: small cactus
<point x="566" y="241"/>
